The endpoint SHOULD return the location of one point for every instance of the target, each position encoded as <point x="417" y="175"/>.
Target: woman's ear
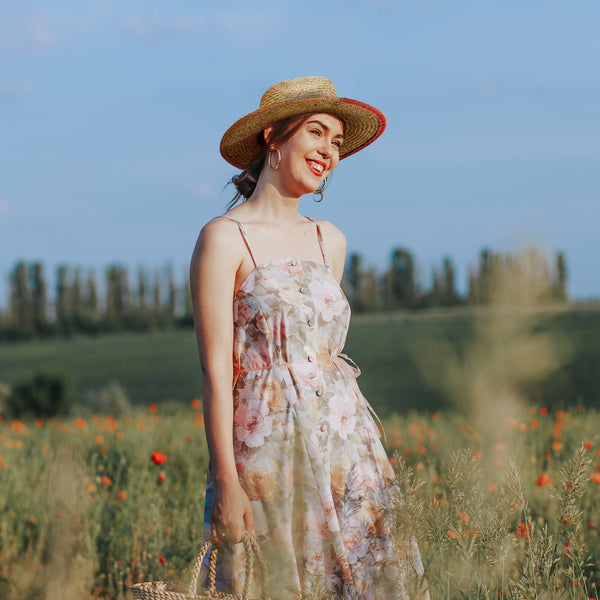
<point x="267" y="133"/>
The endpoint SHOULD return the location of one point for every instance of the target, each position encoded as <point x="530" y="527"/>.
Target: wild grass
<point x="86" y="511"/>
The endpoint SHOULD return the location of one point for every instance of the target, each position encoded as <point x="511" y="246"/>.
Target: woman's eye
<point x="317" y="131"/>
<point x="337" y="143"/>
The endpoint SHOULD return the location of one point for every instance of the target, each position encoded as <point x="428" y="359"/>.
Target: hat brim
<point x="363" y="124"/>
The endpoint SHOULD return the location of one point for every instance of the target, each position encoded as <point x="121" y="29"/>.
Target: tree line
<point x="152" y="299"/>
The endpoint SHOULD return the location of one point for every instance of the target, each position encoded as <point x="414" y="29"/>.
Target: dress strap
<point x="321" y="244"/>
<point x="243" y="232"/>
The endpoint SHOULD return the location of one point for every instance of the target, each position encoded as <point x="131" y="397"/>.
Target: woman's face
<point x="311" y="154"/>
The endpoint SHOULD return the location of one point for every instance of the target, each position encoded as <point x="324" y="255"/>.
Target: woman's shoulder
<point x="219" y="235"/>
<point x="333" y="236"/>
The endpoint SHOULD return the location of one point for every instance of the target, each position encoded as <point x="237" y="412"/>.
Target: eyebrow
<point x="325" y="127"/>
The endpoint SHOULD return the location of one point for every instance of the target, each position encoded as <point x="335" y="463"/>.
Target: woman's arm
<point x="216" y="259"/>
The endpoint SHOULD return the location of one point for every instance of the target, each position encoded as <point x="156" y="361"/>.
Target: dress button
<point x="303" y="290"/>
<point x="293" y="262"/>
<point x="323" y="428"/>
<point x="310" y="322"/>
<point x="319" y="392"/>
<point x="310" y="358"/>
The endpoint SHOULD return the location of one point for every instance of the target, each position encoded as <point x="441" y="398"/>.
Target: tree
<point x="560" y="286"/>
<point x="400" y="279"/>
<point x="21" y="297"/>
<point x="39" y="300"/>
<point x="355" y="281"/>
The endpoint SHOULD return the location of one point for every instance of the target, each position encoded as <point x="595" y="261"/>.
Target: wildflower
<point x="452" y="534"/>
<point x="492" y="487"/>
<point x="543" y="411"/>
<point x="106" y="480"/>
<point x="464" y="517"/>
<point x="534" y="424"/>
<point x="153" y="408"/>
<point x="140" y="425"/>
<point x="119" y="435"/>
<point x="80" y="423"/>
<point x="477" y="456"/>
<point x="122" y="495"/>
<point x="158" y="458"/>
<point x="522" y="427"/>
<point x="557" y="446"/>
<point x="18" y="426"/>
<point x="111" y="423"/>
<point x="436" y="415"/>
<point x="3" y="465"/>
<point x="161" y="559"/>
<point x="544" y="479"/>
<point x="196" y="404"/>
<point x="421" y="449"/>
<point x="39" y="422"/>
<point x="523" y="530"/>
<point x="588" y="445"/>
<point x="162" y="476"/>
<point x="99" y="439"/>
<point x="392" y="461"/>
<point x="199" y="418"/>
<point x="595" y="477"/>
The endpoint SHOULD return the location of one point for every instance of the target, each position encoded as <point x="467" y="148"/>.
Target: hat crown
<point x="301" y="87"/>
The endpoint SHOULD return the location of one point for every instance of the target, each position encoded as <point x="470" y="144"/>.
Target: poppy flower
<point x="122" y="495"/>
<point x="595" y="477"/>
<point x="196" y="404"/>
<point x="162" y="476"/>
<point x="452" y="534"/>
<point x="153" y="408"/>
<point x="158" y="458"/>
<point x="161" y="559"/>
<point x="544" y="479"/>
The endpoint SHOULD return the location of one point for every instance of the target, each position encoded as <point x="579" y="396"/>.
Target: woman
<point x="295" y="454"/>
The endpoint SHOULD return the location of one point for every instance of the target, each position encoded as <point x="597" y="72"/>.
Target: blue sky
<point x="111" y="115"/>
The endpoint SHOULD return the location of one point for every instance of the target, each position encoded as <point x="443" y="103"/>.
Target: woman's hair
<point x="245" y="182"/>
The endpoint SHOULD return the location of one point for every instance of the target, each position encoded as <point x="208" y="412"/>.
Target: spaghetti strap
<point x="243" y="232"/>
<point x="321" y="244"/>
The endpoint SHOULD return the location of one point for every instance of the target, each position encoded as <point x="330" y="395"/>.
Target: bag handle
<point x="252" y="551"/>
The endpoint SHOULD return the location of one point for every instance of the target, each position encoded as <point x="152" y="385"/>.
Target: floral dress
<point x="307" y="449"/>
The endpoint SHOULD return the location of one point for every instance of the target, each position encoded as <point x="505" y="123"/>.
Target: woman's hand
<point x="231" y="512"/>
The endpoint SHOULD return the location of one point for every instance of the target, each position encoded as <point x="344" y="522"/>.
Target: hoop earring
<point x="318" y="193"/>
<point x="274" y="168"/>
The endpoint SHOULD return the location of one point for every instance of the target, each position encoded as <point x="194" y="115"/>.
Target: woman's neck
<point x="269" y="204"/>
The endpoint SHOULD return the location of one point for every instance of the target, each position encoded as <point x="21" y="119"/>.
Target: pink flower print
<point x="355" y="539"/>
<point x="308" y="374"/>
<point x="315" y="523"/>
<point x="242" y="311"/>
<point x="252" y="423"/>
<point x="364" y="478"/>
<point x="291" y="294"/>
<point x="289" y="266"/>
<point x="342" y="418"/>
<point x="328" y="299"/>
<point x="256" y="356"/>
<point x="378" y="552"/>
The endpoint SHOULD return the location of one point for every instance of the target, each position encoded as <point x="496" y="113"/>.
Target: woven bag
<point x="163" y="590"/>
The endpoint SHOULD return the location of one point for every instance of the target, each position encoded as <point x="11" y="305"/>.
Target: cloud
<point x="202" y="189"/>
<point x="21" y="31"/>
<point x="18" y="89"/>
<point x="481" y="85"/>
<point x="231" y="25"/>
<point x="5" y="208"/>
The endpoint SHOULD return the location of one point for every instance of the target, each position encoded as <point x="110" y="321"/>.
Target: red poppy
<point x="161" y="559"/>
<point x="158" y="458"/>
<point x="544" y="479"/>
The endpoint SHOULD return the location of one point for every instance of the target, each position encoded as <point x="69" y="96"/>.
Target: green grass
<point x="400" y="355"/>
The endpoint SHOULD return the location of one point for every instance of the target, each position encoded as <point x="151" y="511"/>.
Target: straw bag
<point x="163" y="590"/>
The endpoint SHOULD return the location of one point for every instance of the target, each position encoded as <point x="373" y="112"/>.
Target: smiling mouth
<point x="316" y="167"/>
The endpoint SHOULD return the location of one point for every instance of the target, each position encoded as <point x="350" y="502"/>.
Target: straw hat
<point x="363" y="123"/>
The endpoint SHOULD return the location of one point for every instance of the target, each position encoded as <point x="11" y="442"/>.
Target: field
<point x="119" y="501"/>
<point x="401" y="356"/>
<point x="491" y="422"/>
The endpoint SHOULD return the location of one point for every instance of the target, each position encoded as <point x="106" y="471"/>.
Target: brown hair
<point x="245" y="182"/>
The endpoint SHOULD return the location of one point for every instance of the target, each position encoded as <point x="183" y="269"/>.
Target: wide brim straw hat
<point x="243" y="141"/>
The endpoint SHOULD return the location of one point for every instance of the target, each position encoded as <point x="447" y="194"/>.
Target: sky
<point x="111" y="114"/>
